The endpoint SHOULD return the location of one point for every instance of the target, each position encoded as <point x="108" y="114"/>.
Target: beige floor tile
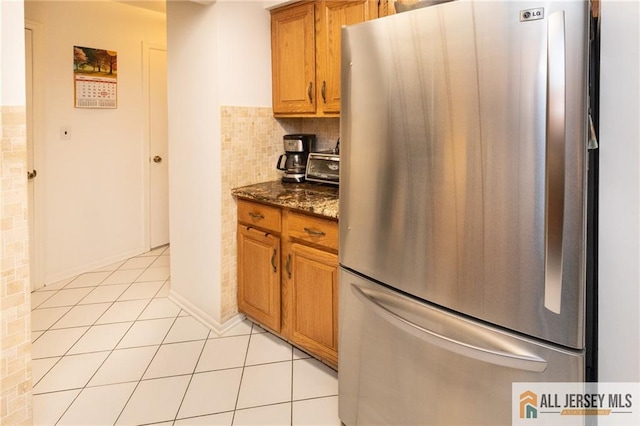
<point x="265" y="348"/>
<point x="71" y="372"/>
<point x="42" y="319"/>
<point x="124" y="311"/>
<point x="104" y="293"/>
<point x="124" y="365"/>
<point x="82" y="315"/>
<point x="223" y="419"/>
<point x="154" y="274"/>
<point x="49" y="407"/>
<point x="175" y="359"/>
<point x="265" y="384"/>
<point x="160" y="307"/>
<point x="98" y="405"/>
<point x="66" y="297"/>
<point x="142" y="290"/>
<point x="320" y="411"/>
<point x="312" y="379"/>
<point x="155" y="401"/>
<point x="90" y="279"/>
<point x="145" y="333"/>
<point x="270" y="415"/>
<point x="56" y="342"/>
<point x="210" y="393"/>
<point x="123" y="276"/>
<point x="223" y="352"/>
<point x="185" y="329"/>
<point x="100" y="338"/>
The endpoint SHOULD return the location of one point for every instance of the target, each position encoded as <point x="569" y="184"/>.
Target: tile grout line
<point x="150" y="361"/>
<point x="83" y="334"/>
<point x="66" y="354"/>
<point x="135" y="384"/>
<point x="61" y="358"/>
<point x="89" y="326"/>
<point x="291" y="409"/>
<point x="94" y="287"/>
<point x="244" y="364"/>
<point x="193" y="373"/>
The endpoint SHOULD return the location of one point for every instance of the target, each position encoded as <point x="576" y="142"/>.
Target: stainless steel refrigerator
<point x="464" y="210"/>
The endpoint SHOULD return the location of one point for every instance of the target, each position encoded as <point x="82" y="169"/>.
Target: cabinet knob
<point x="310" y="92"/>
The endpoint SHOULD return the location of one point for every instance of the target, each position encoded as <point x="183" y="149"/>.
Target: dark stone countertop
<point x="307" y="197"/>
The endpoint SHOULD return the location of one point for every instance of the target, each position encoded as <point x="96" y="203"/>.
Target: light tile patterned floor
<point x="109" y="348"/>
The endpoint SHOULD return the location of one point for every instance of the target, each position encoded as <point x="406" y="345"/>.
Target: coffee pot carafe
<point x="294" y="161"/>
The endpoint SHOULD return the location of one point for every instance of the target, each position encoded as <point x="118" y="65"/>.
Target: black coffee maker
<point x="294" y="159"/>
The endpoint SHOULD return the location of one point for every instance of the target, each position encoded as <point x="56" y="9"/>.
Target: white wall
<point x="194" y="158"/>
<point x="244" y="46"/>
<point x="93" y="184"/>
<point x="218" y="55"/>
<point x="619" y="239"/>
<point x="12" y="86"/>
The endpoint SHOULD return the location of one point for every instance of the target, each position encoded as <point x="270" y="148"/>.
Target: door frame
<point x="36" y="264"/>
<point x="146" y="47"/>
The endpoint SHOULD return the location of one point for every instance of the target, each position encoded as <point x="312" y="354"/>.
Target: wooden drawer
<point x="315" y="230"/>
<point x="259" y="215"/>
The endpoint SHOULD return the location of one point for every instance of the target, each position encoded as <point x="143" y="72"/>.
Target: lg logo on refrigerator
<point x="531" y="14"/>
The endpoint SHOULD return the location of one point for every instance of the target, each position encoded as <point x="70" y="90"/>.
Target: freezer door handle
<point x="555" y="160"/>
<point x="383" y="305"/>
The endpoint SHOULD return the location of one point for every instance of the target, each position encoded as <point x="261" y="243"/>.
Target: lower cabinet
<point x="313" y="300"/>
<point x="288" y="275"/>
<point x="259" y="275"/>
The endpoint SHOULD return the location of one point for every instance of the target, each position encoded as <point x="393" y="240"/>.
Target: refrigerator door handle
<point x="555" y="160"/>
<point x="526" y="362"/>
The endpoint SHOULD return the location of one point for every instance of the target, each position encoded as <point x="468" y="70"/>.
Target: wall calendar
<point x="95" y="73"/>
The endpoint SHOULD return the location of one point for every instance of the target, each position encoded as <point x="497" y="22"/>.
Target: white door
<point x="35" y="278"/>
<point x="156" y="84"/>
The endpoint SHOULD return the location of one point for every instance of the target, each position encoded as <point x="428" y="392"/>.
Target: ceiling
<point x="155" y="5"/>
<point x="158" y="5"/>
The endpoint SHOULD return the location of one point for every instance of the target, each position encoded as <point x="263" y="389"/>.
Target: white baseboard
<point x="206" y="319"/>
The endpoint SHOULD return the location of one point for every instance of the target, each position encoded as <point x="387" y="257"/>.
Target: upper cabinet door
<point x="293" y="59"/>
<point x="330" y="17"/>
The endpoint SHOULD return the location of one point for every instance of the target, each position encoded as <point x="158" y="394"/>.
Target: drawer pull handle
<point x="256" y="215"/>
<point x="273" y="260"/>
<point x="314" y="232"/>
<point x="324" y="92"/>
<point x="288" y="266"/>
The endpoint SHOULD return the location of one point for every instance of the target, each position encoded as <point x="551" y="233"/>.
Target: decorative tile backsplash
<point x="15" y="312"/>
<point x="251" y="144"/>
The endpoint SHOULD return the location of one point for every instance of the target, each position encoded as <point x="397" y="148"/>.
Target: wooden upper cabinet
<point x="305" y="54"/>
<point x="330" y="17"/>
<point x="293" y="59"/>
<point x="386" y="8"/>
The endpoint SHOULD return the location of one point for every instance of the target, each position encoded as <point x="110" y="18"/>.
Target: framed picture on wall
<point x="95" y="74"/>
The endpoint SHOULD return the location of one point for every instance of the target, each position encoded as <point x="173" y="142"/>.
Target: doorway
<point x="155" y="95"/>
